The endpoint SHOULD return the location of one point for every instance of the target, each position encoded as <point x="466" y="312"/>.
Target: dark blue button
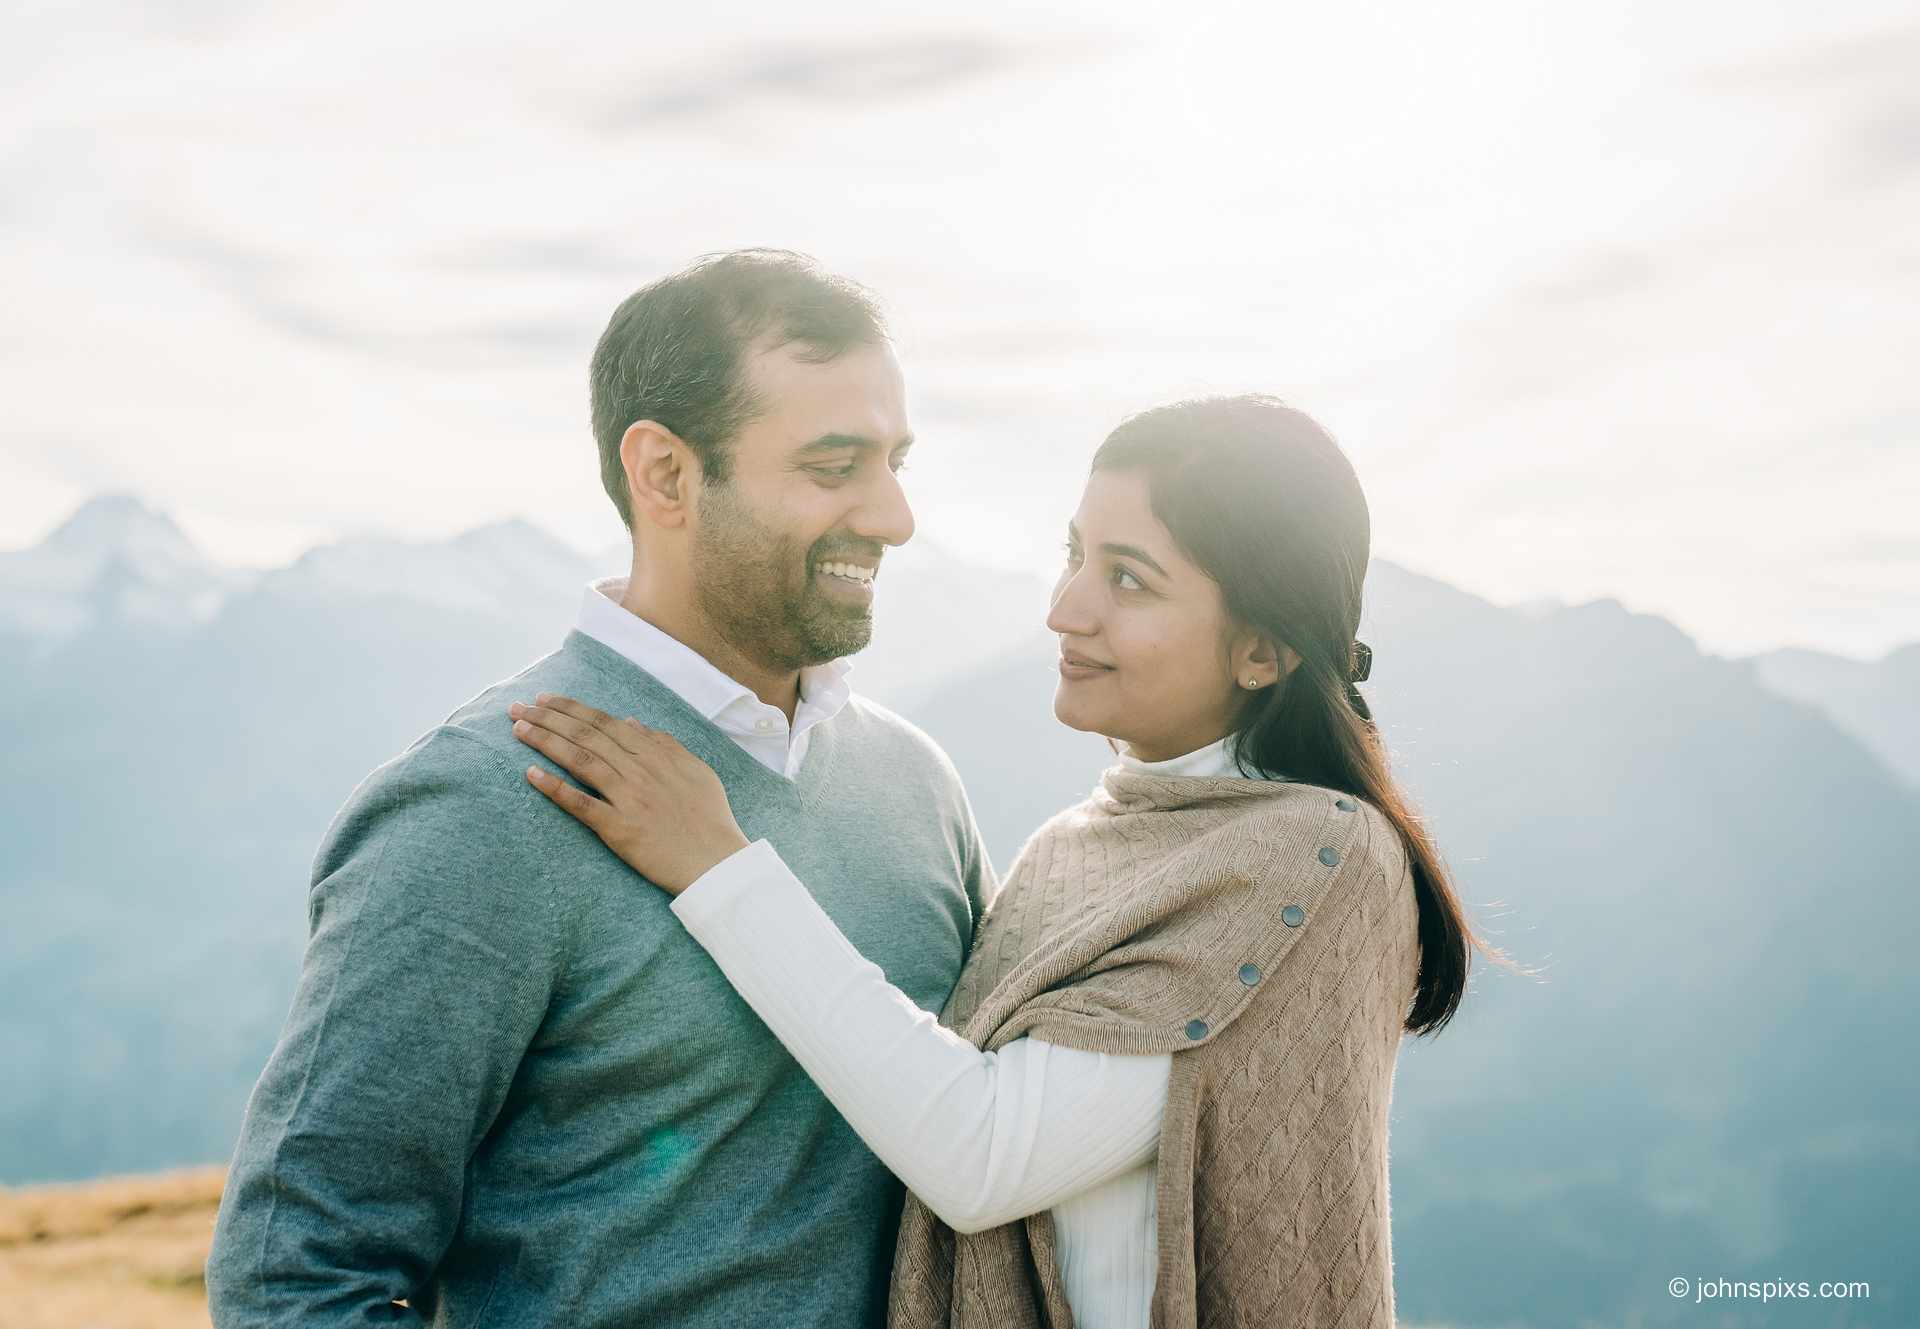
<point x="1196" y="1029"/>
<point x="1293" y="915"/>
<point x="1249" y="974"/>
<point x="1344" y="804"/>
<point x="1329" y="856"/>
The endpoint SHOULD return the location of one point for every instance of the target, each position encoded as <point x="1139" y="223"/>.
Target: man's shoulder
<point x="448" y="753"/>
<point x="447" y="782"/>
<point x="472" y="752"/>
<point x="483" y="717"/>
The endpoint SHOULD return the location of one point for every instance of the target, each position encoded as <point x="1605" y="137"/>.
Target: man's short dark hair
<point x="675" y="351"/>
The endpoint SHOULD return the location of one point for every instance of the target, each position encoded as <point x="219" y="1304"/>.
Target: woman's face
<point x="1149" y="655"/>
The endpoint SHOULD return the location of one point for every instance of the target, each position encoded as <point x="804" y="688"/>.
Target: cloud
<point x="841" y="76"/>
<point x="1601" y="275"/>
<point x="255" y="279"/>
<point x="1883" y="549"/>
<point x="573" y="255"/>
<point x="263" y="284"/>
<point x="1868" y="81"/>
<point x="1883" y="57"/>
<point x="1890" y="139"/>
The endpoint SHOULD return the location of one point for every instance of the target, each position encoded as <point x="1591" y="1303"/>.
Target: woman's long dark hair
<point x="1264" y="501"/>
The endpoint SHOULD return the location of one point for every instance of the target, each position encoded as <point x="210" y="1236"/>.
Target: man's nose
<point x="885" y="515"/>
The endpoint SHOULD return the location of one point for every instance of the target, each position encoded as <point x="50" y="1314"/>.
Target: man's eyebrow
<point x="858" y="442"/>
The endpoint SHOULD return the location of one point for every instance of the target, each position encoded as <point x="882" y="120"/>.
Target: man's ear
<point x="662" y="472"/>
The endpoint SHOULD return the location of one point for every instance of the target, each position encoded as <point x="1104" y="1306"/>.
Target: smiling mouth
<point x="1074" y="666"/>
<point x="857" y="574"/>
<point x="849" y="584"/>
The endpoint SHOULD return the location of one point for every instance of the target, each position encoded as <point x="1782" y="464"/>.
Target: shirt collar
<point x="697" y="680"/>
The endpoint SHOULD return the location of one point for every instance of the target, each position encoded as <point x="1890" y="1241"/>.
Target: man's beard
<point x="744" y="582"/>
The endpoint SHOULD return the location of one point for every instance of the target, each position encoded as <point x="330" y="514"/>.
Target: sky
<point x="1603" y="300"/>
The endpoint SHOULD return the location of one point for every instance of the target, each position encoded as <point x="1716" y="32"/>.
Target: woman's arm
<point x="982" y="1138"/>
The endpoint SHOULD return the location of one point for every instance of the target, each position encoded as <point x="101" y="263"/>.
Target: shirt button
<point x="1344" y="804"/>
<point x="764" y="726"/>
<point x="1329" y="856"/>
<point x="1293" y="915"/>
<point x="1196" y="1029"/>
<point x="1249" y="974"/>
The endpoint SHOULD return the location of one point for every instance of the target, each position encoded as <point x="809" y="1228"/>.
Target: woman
<point x="1158" y="1093"/>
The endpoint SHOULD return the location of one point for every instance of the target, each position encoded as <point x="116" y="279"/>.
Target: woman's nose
<point x="1070" y="614"/>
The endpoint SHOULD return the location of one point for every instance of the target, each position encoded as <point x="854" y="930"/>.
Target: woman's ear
<point x="1260" y="661"/>
<point x="660" y="468"/>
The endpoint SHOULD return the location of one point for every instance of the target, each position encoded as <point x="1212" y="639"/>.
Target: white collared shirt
<point x="761" y="730"/>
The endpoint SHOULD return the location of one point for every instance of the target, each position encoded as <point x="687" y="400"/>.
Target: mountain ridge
<point x="1702" y="872"/>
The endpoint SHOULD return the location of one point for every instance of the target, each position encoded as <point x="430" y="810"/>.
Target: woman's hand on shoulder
<point x="660" y="808"/>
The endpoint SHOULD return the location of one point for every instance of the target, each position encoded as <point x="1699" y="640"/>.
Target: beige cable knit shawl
<point x="1267" y="933"/>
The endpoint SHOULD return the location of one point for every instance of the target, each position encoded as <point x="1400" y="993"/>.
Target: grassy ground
<point x="124" y="1253"/>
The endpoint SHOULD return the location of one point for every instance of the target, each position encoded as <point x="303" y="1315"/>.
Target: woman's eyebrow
<point x="1123" y="551"/>
<point x="1135" y="552"/>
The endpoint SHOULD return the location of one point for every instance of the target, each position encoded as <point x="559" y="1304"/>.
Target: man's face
<point x="813" y="487"/>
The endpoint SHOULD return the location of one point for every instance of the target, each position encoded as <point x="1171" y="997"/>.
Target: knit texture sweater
<point x="515" y="1092"/>
<point x="1266" y="934"/>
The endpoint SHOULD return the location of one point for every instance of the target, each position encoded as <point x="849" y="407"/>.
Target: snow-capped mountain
<point x="502" y="568"/>
<point x="114" y="560"/>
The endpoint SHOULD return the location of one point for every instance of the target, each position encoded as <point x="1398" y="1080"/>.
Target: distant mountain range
<point x="1877" y="701"/>
<point x="114" y="560"/>
<point x="1708" y="863"/>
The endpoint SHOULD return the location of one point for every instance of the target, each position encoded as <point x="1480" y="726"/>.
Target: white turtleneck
<point x="1216" y="758"/>
<point x="983" y="1138"/>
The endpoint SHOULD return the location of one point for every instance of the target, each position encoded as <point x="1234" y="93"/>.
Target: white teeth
<point x="848" y="570"/>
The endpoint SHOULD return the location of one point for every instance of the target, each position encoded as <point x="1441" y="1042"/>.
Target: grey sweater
<point x="513" y="1091"/>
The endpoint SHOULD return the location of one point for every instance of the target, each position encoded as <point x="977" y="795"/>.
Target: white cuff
<point x="724" y="884"/>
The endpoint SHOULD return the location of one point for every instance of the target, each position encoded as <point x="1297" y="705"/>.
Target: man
<point x="512" y="1090"/>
